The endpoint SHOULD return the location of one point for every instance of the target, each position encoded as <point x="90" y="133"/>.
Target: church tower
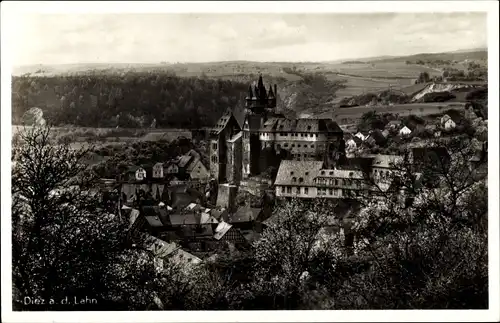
<point x="260" y="105"/>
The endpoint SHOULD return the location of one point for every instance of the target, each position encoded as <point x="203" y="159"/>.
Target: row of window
<point x="331" y="191"/>
<point x="286" y="145"/>
<point x="288" y="190"/>
<point x="337" y="182"/>
<point x="299" y="156"/>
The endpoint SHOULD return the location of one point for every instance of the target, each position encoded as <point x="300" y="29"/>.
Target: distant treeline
<point x="133" y="100"/>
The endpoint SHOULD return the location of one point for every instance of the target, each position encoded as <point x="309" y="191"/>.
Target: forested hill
<point x="126" y="100"/>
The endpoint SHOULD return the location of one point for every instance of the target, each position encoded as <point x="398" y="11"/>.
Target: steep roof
<point x="184" y="218"/>
<point x="222" y="123"/>
<point x="301" y="125"/>
<point x="340" y="173"/>
<point x="297" y="169"/>
<point x="184" y="160"/>
<point x="245" y="214"/>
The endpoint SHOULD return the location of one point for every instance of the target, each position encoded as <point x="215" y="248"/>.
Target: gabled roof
<point x="207" y="219"/>
<point x="184" y="160"/>
<point x="245" y="214"/>
<point x="298" y="169"/>
<point x="223" y="122"/>
<point x="184" y="218"/>
<point x="221" y="230"/>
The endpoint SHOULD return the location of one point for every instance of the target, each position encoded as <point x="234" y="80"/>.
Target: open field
<point x="351" y="115"/>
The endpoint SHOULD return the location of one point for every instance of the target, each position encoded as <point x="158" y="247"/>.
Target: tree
<point x="428" y="249"/>
<point x="286" y="252"/>
<point x="64" y="243"/>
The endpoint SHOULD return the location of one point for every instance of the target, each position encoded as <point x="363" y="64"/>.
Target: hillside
<point x="481" y="55"/>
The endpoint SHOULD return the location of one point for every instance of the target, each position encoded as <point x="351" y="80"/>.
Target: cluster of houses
<point x="181" y="205"/>
<point x="186" y="167"/>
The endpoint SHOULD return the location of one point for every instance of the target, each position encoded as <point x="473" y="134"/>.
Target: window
<point x="298" y="190"/>
<point x="286" y="134"/>
<point x="278" y="145"/>
<point x="305" y="146"/>
<point x="301" y="180"/>
<point x="285" y="145"/>
<point x="282" y="189"/>
<point x="322" y="172"/>
<point x="331" y="191"/>
<point x="306" y="190"/>
<point x="336" y="182"/>
<point x="214" y="146"/>
<point x="307" y="173"/>
<point x="294" y="179"/>
<point x="310" y="135"/>
<point x="293" y="145"/>
<point x="289" y="189"/>
<point x="312" y="146"/>
<point x="291" y="173"/>
<point x="308" y="127"/>
<point x="298" y="145"/>
<point x="331" y="173"/>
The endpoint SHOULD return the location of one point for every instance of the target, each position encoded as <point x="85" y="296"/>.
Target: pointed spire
<point x="262" y="90"/>
<point x="250" y="93"/>
<point x="270" y="94"/>
<point x="256" y="92"/>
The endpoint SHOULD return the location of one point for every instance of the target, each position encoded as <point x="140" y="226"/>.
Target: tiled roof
<point x="185" y="160"/>
<point x="223" y="122"/>
<point x="297" y="169"/>
<point x="270" y="125"/>
<point x="245" y="214"/>
<point x="340" y="173"/>
<point x="184" y="218"/>
<point x="301" y="125"/>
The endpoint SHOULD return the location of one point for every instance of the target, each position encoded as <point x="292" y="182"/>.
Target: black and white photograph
<point x="249" y="161"/>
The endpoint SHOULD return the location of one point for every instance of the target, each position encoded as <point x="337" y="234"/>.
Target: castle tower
<point x="260" y="104"/>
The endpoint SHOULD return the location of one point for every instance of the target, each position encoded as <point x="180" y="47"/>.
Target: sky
<point x="153" y="38"/>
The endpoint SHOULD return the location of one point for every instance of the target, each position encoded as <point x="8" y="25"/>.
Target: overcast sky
<point x="151" y="38"/>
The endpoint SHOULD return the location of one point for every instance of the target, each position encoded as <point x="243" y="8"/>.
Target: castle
<point x="266" y="137"/>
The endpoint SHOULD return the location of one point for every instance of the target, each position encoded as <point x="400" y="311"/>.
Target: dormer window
<point x="301" y="180"/>
<point x="294" y="179"/>
<point x="291" y="173"/>
<point x="322" y="172"/>
<point x="331" y="173"/>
